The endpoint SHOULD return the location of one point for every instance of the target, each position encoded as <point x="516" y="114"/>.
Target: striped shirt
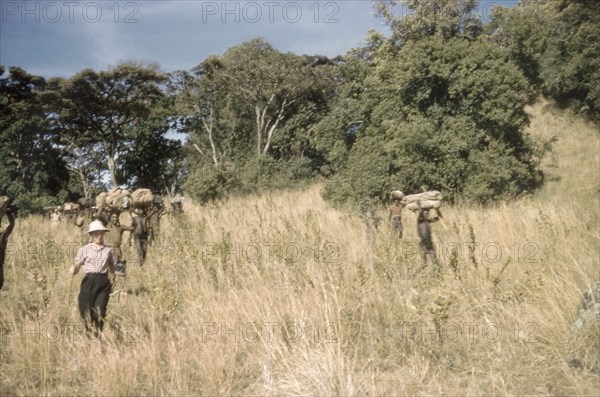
<point x="96" y="258"/>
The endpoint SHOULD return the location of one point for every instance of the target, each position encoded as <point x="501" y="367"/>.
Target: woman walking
<point x="97" y="261"/>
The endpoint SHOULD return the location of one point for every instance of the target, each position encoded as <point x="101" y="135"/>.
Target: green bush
<point x="210" y="183"/>
<point x="448" y="114"/>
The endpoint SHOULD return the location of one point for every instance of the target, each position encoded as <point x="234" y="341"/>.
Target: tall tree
<point x="33" y="171"/>
<point x="85" y="163"/>
<point x="153" y="161"/>
<point x="271" y="85"/>
<point x="251" y="110"/>
<point x="202" y="107"/>
<point x="106" y="107"/>
<point x="571" y="64"/>
<point x="523" y="33"/>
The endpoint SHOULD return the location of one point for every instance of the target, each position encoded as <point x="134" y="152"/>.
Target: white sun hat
<point x="97" y="226"/>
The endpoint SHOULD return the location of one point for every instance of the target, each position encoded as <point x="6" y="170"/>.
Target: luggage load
<point x="396" y="195"/>
<point x="71" y="207"/>
<point x="426" y="200"/>
<point x="115" y="199"/>
<point x="142" y="197"/>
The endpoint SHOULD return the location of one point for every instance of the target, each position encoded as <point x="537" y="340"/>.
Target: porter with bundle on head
<point x="430" y="200"/>
<point x="395" y="212"/>
<point x="97" y="260"/>
<point x="425" y="204"/>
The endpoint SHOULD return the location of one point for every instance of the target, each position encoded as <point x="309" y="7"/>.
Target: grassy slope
<point x="281" y="294"/>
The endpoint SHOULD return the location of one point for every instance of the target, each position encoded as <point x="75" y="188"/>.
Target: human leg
<point x="85" y="301"/>
<point x="101" y="304"/>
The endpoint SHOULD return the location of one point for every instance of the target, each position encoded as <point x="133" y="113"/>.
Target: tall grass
<point x="279" y="294"/>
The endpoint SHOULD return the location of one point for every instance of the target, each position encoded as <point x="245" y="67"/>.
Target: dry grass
<point x="279" y="294"/>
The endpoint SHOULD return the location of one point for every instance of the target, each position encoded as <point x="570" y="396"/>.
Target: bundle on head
<point x="71" y="207"/>
<point x="425" y="200"/>
<point x="115" y="199"/>
<point x="142" y="198"/>
<point x="396" y="195"/>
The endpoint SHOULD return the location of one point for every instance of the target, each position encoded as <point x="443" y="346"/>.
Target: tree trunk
<point x="113" y="171"/>
<point x="272" y="129"/>
<point x="209" y="129"/>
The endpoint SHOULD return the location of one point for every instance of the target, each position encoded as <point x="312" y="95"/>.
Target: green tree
<point x="571" y="64"/>
<point x="416" y="19"/>
<point x="443" y="112"/>
<point x="522" y="31"/>
<point x="153" y="161"/>
<point x="556" y="45"/>
<point x="250" y="114"/>
<point x="33" y="171"/>
<point x="106" y="109"/>
<point x="272" y="86"/>
<point x="205" y="112"/>
<point x="350" y="107"/>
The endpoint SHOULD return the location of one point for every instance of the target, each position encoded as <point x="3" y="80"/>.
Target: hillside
<point x="280" y="294"/>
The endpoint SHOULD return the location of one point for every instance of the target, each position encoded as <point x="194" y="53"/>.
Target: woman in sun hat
<point x="97" y="261"/>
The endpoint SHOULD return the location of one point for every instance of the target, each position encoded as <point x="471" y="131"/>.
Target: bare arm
<point x="74" y="269"/>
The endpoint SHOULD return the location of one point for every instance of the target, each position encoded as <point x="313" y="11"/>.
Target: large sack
<point x="118" y="198"/>
<point x="396" y="195"/>
<point x="115" y="199"/>
<point x="425" y="200"/>
<point x="70" y="207"/>
<point x="100" y="200"/>
<point x="142" y="197"/>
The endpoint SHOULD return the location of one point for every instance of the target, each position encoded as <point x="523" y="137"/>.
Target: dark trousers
<point x="93" y="300"/>
<point x="141" y="247"/>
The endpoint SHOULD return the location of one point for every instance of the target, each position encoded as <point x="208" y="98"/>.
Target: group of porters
<point x="129" y="216"/>
<point x="115" y="200"/>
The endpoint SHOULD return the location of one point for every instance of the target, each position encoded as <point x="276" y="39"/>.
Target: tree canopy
<point x="103" y="109"/>
<point x="556" y="43"/>
<point x="440" y="102"/>
<point x="251" y="109"/>
<point x="447" y="113"/>
<point x="33" y="172"/>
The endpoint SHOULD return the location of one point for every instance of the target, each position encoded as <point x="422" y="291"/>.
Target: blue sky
<point x="59" y="38"/>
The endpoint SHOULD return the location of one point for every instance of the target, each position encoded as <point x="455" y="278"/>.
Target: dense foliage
<point x="556" y="43"/>
<point x="444" y="109"/>
<point x="439" y="103"/>
<point x="249" y="115"/>
<point x="33" y="173"/>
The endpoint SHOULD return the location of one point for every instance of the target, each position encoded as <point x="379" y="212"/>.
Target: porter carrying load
<point x="427" y="200"/>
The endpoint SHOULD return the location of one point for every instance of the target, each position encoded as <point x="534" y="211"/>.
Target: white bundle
<point x="396" y="195"/>
<point x="70" y="207"/>
<point x="425" y="200"/>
